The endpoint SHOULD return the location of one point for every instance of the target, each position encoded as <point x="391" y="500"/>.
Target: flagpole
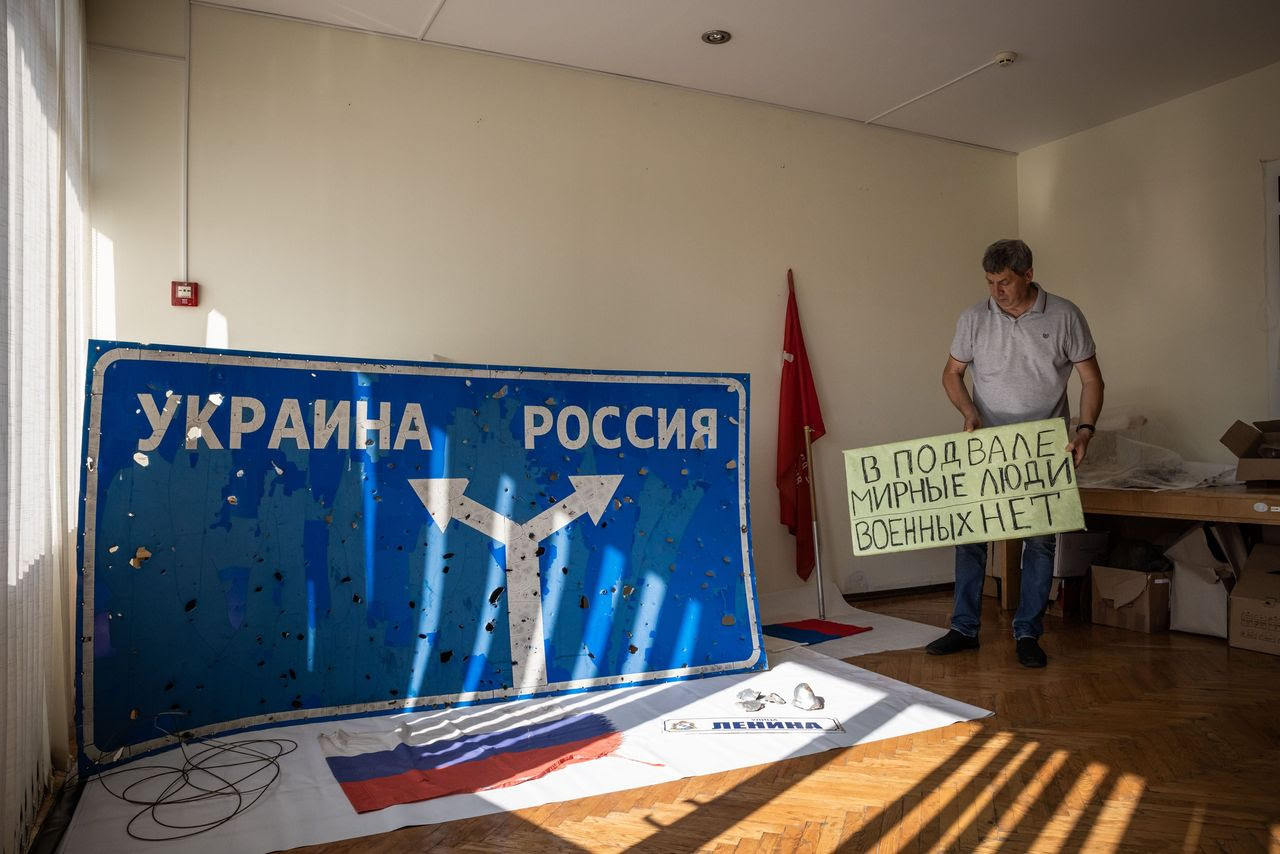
<point x="813" y="504"/>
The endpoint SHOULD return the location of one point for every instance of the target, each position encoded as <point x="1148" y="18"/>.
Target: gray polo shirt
<point x="1020" y="365"/>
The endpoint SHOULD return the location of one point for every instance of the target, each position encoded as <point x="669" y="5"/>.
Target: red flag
<point x="797" y="408"/>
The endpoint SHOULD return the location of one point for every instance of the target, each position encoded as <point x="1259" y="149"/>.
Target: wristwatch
<point x="1088" y="427"/>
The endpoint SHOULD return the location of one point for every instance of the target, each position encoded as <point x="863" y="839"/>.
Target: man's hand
<point x="1079" y="446"/>
<point x="958" y="392"/>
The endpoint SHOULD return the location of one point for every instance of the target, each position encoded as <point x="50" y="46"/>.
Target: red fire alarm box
<point x="184" y="293"/>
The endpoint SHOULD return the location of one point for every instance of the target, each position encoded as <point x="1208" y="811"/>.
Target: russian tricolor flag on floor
<point x="434" y="757"/>
<point x="813" y="631"/>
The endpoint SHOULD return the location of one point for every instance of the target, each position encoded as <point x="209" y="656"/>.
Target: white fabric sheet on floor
<point x="306" y="806"/>
<point x="801" y="603"/>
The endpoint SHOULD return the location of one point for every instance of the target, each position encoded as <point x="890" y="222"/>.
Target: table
<point x="1233" y="503"/>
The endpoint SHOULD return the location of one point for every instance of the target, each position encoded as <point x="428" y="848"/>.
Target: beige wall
<point x="1154" y="224"/>
<point x="356" y="195"/>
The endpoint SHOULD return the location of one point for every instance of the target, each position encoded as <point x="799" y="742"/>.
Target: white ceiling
<point x="1082" y="62"/>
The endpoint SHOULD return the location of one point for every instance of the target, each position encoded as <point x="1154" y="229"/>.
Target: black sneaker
<point x="952" y="641"/>
<point x="1030" y="654"/>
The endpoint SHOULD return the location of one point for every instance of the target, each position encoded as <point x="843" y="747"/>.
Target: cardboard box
<point x="991" y="587"/>
<point x="991" y="583"/>
<point x="1076" y="551"/>
<point x="1071" y="598"/>
<point x="1198" y="598"/>
<point x="1255" y="602"/>
<point x="1257" y="449"/>
<point x="1130" y="599"/>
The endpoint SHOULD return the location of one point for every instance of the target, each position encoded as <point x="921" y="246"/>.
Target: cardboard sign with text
<point x="998" y="483"/>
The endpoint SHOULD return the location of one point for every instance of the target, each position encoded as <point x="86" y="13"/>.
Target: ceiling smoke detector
<point x="716" y="36"/>
<point x="1006" y="57"/>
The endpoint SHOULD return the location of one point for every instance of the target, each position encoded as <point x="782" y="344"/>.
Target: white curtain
<point x="42" y="350"/>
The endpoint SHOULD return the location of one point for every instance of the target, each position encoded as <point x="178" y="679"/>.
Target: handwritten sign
<point x="999" y="483"/>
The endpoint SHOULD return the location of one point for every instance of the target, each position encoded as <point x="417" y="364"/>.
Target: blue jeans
<point x="1037" y="573"/>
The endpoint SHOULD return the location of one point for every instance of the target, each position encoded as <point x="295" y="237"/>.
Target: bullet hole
<point x="367" y="677"/>
<point x="259" y="640"/>
<point x="412" y="604"/>
<point x="139" y="556"/>
<point x="704" y="585"/>
<point x="133" y="714"/>
<point x="582" y="602"/>
<point x="113" y="550"/>
<point x="284" y="634"/>
<point x="447" y="555"/>
<point x="279" y="576"/>
<point x="393" y="692"/>
<point x="261" y="662"/>
<point x="591" y="655"/>
<point x="627" y="590"/>
<point x="346" y="579"/>
<point x="232" y="500"/>
<point x="710" y="574"/>
<point x="642" y="471"/>
<point x="732" y="464"/>
<point x="500" y="393"/>
<point x="257" y="589"/>
<point x="301" y="635"/>
<point x="603" y="524"/>
<point x="493" y="597"/>
<point x="631" y="648"/>
<point x="564" y="570"/>
<point x="671" y="539"/>
<point x="684" y="472"/>
<point x="445" y="570"/>
<point x="293" y="674"/>
<point x="540" y="552"/>
<point x="445" y="656"/>
<point x="421" y="636"/>
<point x="357" y="599"/>
<point x="297" y="704"/>
<point x="488" y="627"/>
<point x="727" y="559"/>
<point x="727" y="620"/>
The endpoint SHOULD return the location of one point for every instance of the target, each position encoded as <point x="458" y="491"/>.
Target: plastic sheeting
<point x="1125" y="454"/>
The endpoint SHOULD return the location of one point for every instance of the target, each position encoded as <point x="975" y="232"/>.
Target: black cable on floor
<point x="216" y="781"/>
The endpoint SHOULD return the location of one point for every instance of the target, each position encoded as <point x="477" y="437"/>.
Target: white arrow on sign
<point x="446" y="500"/>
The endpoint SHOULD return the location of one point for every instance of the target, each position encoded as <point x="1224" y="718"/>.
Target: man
<point x="1022" y="343"/>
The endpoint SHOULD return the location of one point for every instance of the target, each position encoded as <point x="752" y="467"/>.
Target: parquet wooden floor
<point x="1125" y="742"/>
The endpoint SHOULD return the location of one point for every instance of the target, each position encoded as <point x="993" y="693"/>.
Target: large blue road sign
<point x="269" y="538"/>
